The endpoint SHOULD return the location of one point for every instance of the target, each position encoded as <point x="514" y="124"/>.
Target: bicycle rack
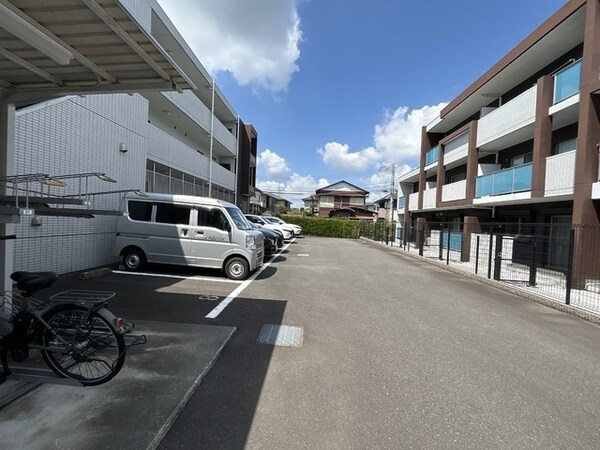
<point x="28" y="378"/>
<point x="31" y="195"/>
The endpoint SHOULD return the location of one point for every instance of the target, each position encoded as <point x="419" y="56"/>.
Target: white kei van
<point x="187" y="230"/>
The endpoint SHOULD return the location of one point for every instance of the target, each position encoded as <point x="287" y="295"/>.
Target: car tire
<point x="237" y="268"/>
<point x="134" y="259"/>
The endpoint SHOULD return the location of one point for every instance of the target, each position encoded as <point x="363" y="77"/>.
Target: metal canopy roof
<point x="57" y="47"/>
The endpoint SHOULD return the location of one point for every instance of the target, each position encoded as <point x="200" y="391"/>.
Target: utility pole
<point x="390" y="210"/>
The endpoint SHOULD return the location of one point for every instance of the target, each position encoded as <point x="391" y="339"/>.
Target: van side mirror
<point x="226" y="226"/>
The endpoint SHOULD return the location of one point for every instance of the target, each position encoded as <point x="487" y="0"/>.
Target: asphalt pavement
<point x="395" y="353"/>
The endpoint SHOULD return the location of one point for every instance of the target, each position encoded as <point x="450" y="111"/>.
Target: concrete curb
<point x="186" y="398"/>
<point x="95" y="273"/>
<point x="546" y="301"/>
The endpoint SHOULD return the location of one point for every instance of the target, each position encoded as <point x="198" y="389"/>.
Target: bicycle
<point x="76" y="334"/>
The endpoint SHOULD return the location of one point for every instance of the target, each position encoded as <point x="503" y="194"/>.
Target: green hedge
<point x="326" y="227"/>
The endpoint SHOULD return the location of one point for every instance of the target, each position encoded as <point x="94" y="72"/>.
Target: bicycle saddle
<point x="33" y="281"/>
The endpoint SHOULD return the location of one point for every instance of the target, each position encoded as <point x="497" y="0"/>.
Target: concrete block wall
<point x="77" y="135"/>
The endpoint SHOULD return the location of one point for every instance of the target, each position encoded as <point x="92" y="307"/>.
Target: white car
<point x="287" y="230"/>
<point x="276" y="220"/>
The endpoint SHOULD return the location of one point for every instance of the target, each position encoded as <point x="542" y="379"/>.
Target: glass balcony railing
<point x="432" y="155"/>
<point x="507" y="181"/>
<point x="567" y="82"/>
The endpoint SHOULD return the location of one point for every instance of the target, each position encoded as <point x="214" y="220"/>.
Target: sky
<point x="339" y="89"/>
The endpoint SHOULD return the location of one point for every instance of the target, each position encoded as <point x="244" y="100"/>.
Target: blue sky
<point x="339" y="89"/>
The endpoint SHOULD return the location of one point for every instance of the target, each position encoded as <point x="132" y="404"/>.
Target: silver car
<point x="288" y="232"/>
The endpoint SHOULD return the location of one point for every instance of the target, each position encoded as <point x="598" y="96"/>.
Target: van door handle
<point x="184" y="232"/>
<point x="199" y="233"/>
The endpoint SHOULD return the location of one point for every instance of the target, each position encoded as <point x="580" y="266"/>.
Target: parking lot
<point x="370" y="349"/>
<point x="178" y="309"/>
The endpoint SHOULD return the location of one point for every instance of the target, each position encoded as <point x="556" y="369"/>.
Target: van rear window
<point x="140" y="210"/>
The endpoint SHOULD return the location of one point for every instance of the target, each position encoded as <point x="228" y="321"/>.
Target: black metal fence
<point x="557" y="260"/>
<point x="380" y="231"/>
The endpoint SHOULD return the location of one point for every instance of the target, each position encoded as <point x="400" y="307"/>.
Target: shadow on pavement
<point x="182" y="346"/>
<point x="221" y="412"/>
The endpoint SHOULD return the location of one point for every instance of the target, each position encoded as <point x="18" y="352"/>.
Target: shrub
<point x="325" y="227"/>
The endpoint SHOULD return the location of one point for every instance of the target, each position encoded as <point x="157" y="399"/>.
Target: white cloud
<point x="273" y="165"/>
<point x="292" y="187"/>
<point x="256" y="41"/>
<point x="339" y="157"/>
<point x="396" y="140"/>
<point x="380" y="182"/>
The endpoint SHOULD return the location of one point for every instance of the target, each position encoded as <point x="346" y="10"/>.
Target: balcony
<point x="166" y="149"/>
<point x="432" y="156"/>
<point x="510" y="124"/>
<point x="192" y="107"/>
<point x="456" y="150"/>
<point x="223" y="177"/>
<point x="454" y="191"/>
<point x="567" y="82"/>
<point x="413" y="201"/>
<point x="560" y="174"/>
<point x="507" y="181"/>
<point x="225" y="137"/>
<point x="429" y="198"/>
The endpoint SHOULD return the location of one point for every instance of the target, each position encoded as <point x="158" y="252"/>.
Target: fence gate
<point x="515" y="258"/>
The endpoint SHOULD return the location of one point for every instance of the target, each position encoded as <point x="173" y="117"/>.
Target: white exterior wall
<point x="76" y="135"/>
<point x="140" y="10"/>
<point x="560" y="174"/>
<point x="429" y="198"/>
<point x="166" y="149"/>
<point x="516" y="114"/>
<point x="454" y="191"/>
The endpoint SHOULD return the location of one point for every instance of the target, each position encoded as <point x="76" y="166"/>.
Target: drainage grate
<point x="281" y="335"/>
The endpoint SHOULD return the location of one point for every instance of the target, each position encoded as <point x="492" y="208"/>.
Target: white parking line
<point x="179" y="277"/>
<point x="227" y="300"/>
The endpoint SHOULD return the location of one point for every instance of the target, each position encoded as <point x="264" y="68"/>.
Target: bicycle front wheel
<point x="82" y="345"/>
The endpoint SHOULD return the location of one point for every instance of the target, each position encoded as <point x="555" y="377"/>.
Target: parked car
<point x="271" y="219"/>
<point x="273" y="238"/>
<point x="287" y="231"/>
<point x="186" y="230"/>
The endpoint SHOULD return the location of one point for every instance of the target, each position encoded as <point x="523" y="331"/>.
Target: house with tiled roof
<point x="341" y="199"/>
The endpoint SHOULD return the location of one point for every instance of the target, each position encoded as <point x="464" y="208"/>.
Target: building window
<point x="456" y="178"/>
<point x="166" y="180"/>
<point x="565" y="146"/>
<point x="521" y="159"/>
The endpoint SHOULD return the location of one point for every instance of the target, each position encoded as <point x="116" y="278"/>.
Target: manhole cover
<point x="281" y="335"/>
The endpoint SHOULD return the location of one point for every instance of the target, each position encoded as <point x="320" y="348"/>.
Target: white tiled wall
<point x="76" y="135"/>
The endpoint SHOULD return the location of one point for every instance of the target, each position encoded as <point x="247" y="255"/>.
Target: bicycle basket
<point x="12" y="303"/>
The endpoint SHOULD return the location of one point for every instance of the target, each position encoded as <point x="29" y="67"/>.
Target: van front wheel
<point x="237" y="268"/>
<point x="134" y="259"/>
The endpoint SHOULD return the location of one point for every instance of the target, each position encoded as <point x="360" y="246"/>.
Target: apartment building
<point x="135" y="111"/>
<point x="520" y="144"/>
<point x="267" y="202"/>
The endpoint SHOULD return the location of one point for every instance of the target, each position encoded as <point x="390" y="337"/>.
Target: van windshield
<point x="238" y="218"/>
